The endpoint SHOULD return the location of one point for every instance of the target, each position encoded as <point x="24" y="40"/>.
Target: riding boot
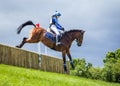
<point x="57" y="40"/>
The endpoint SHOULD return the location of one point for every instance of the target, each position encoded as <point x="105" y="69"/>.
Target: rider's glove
<point x="62" y="29"/>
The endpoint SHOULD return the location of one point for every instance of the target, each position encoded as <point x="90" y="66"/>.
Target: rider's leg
<point x="53" y="27"/>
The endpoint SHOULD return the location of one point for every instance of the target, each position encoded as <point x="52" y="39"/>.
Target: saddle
<point x="52" y="36"/>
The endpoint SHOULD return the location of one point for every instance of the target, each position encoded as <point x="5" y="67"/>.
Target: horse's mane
<point x="73" y="30"/>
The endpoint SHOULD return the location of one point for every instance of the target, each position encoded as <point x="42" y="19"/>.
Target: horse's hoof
<point x="17" y="46"/>
<point x="73" y="67"/>
<point x="65" y="68"/>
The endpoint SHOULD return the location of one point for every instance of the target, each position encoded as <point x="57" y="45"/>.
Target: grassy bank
<point x="15" y="76"/>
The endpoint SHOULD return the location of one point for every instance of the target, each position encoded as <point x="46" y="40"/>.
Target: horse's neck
<point x="72" y="35"/>
<point x="69" y="37"/>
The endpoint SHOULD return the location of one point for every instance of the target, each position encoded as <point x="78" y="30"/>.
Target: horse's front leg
<point x="71" y="62"/>
<point x="22" y="43"/>
<point x="64" y="61"/>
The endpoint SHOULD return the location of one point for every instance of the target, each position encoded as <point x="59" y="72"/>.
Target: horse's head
<point x="79" y="37"/>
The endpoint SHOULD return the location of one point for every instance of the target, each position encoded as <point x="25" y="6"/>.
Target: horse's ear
<point x="83" y="31"/>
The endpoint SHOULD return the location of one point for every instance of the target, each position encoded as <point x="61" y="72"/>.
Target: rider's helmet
<point x="57" y="13"/>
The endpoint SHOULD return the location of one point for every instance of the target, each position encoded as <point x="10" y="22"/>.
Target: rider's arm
<point x="55" y="21"/>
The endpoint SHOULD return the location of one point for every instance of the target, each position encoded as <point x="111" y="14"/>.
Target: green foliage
<point x="110" y="57"/>
<point x="117" y="53"/>
<point x="81" y="68"/>
<point x="111" y="70"/>
<point x="95" y="73"/>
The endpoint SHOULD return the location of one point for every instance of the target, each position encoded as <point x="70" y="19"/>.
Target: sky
<point x="99" y="18"/>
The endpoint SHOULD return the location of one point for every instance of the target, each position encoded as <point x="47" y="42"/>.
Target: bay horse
<point x="38" y="34"/>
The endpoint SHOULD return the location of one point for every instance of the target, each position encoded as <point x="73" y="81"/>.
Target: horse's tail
<point x="23" y="25"/>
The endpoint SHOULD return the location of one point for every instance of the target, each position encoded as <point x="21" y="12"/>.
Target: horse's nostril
<point x="79" y="44"/>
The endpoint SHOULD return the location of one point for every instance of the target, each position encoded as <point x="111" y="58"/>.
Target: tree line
<point x="109" y="72"/>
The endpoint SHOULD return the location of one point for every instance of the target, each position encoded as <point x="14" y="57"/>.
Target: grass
<point x="16" y="76"/>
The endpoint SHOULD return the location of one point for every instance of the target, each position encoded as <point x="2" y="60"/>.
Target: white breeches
<point x="54" y="28"/>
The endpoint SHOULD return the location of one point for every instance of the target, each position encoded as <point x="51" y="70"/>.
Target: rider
<point x="55" y="26"/>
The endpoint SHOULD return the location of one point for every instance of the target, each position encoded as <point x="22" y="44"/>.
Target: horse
<point x="39" y="34"/>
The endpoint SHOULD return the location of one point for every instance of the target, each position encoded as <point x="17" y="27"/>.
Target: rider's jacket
<point x="54" y="21"/>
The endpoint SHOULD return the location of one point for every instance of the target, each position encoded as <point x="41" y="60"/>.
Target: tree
<point x="111" y="70"/>
<point x="81" y="67"/>
<point x="95" y="73"/>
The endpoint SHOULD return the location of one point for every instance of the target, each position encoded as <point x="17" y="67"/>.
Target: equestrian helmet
<point x="57" y="13"/>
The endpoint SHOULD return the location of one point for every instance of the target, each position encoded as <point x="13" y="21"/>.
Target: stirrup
<point x="58" y="43"/>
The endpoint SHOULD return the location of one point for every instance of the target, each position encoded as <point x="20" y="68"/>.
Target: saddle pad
<point x="50" y="36"/>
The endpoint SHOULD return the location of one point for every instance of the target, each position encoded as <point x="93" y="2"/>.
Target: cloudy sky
<point x="99" y="18"/>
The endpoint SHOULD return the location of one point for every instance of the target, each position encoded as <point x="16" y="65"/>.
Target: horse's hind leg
<point x="22" y="43"/>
